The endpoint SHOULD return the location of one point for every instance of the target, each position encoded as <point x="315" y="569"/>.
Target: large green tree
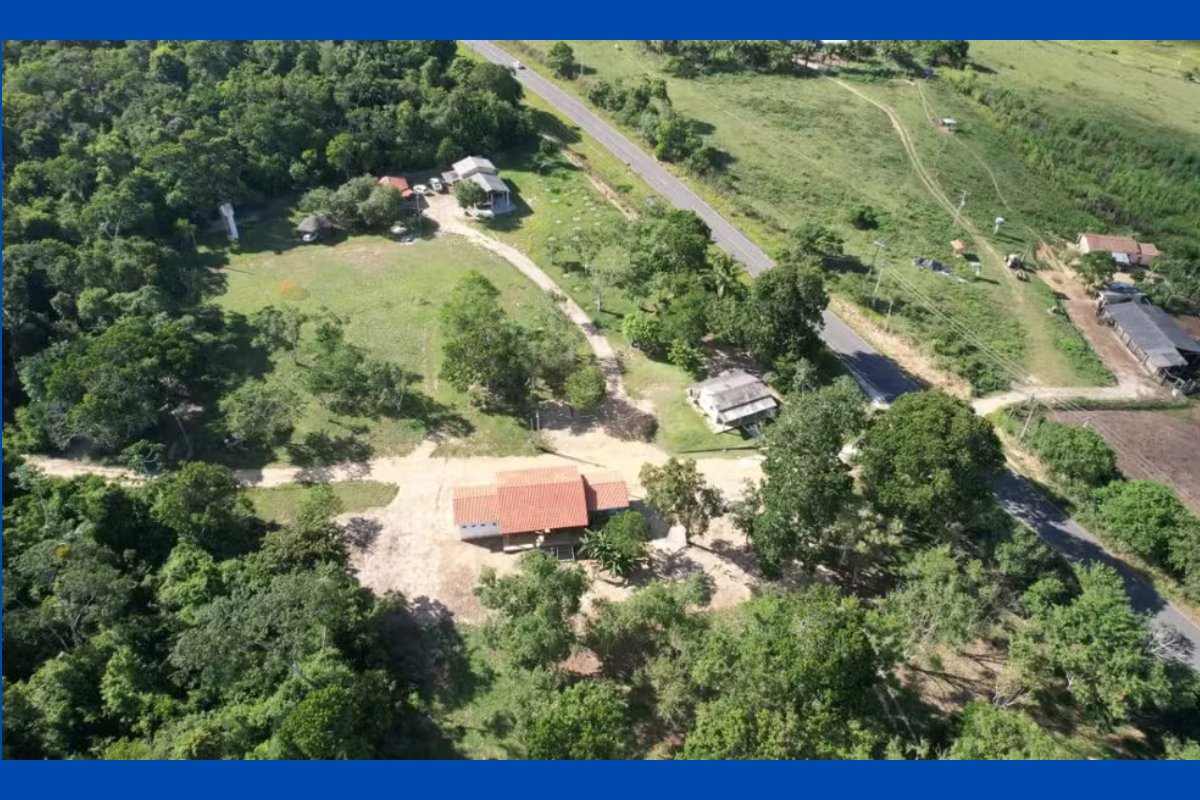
<point x="930" y="459"/>
<point x="532" y="610"/>
<point x="678" y="492"/>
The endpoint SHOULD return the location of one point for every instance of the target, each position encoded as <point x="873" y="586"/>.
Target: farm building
<point x="1163" y="348"/>
<point x="732" y="400"/>
<point x="524" y="503"/>
<point x="482" y="172"/>
<point x="1124" y="249"/>
<point x="397" y="183"/>
<point x="948" y="124"/>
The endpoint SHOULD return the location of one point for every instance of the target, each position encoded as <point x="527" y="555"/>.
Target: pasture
<point x="807" y="149"/>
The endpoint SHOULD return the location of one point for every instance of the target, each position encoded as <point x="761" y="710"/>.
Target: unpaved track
<point x="444" y="210"/>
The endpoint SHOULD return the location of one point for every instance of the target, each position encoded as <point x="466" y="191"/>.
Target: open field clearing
<point x="280" y="504"/>
<point x="805" y="149"/>
<point x="390" y="295"/>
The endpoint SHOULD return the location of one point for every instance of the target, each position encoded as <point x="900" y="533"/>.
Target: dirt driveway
<point x="410" y="546"/>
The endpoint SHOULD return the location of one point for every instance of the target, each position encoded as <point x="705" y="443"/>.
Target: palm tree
<point x="725" y="276"/>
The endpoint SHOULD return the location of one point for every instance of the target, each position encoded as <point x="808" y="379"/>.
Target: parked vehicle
<point x="518" y="65"/>
<point x="421" y="189"/>
<point x="436" y="185"/>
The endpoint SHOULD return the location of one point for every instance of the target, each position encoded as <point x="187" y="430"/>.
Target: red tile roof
<point x="1110" y="244"/>
<point x="399" y="184"/>
<point x="541" y="499"/>
<point x="474" y="505"/>
<point x="605" y="491"/>
<point x="522" y="501"/>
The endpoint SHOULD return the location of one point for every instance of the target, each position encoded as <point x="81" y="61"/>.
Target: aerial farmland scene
<point x="639" y="399"/>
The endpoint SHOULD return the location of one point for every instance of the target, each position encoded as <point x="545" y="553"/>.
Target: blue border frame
<point x="619" y="19"/>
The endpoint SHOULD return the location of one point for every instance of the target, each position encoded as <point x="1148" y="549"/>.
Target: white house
<point x="732" y="400"/>
<point x="482" y="173"/>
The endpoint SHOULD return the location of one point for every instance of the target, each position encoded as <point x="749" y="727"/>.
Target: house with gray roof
<point x="482" y="173"/>
<point x="732" y="400"/>
<point x="1163" y="349"/>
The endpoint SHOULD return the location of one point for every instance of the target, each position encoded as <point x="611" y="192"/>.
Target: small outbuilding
<point x="314" y="227"/>
<point x="948" y="124"/>
<point x="959" y="247"/>
<point x="399" y="184"/>
<point x="732" y="400"/>
<point x="482" y="173"/>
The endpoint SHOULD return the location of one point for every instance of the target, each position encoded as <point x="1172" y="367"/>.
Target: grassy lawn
<point x="281" y="503"/>
<point x="555" y="203"/>
<point x="390" y="295"/>
<point x="806" y="149"/>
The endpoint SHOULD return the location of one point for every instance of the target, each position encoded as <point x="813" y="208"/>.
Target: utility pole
<point x="962" y="202"/>
<point x="887" y="323"/>
<point x="1029" y="416"/>
<point x="878" y="278"/>
<point x="880" y="244"/>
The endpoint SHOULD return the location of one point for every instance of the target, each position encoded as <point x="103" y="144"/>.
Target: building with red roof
<point x="1123" y="249"/>
<point x="536" y="500"/>
<point x="397" y="183"/>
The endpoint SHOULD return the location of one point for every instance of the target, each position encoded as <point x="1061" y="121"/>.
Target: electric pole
<point x="880" y="244"/>
<point x="962" y="202"/>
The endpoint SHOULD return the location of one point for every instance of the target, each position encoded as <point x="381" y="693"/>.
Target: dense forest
<point x="165" y="620"/>
<point x="117" y="154"/>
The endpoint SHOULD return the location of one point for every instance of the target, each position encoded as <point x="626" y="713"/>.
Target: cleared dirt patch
<point x="1159" y="445"/>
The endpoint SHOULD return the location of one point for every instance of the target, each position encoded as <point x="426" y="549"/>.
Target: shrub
<point x="1074" y="453"/>
<point x="585" y="388"/>
<point x="864" y="218"/>
<point x="1144" y="516"/>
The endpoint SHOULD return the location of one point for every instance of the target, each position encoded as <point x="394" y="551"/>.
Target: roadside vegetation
<point x="803" y="150"/>
<point x="1141" y="519"/>
<point x="281" y="504"/>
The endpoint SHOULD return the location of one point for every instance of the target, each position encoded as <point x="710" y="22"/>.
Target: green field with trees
<point x="795" y="149"/>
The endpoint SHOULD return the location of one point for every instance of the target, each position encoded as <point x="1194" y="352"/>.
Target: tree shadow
<point x="361" y="533"/>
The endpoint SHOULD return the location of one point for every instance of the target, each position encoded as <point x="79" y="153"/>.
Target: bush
<point x="686" y="356"/>
<point x="1144" y="516"/>
<point x="864" y="218"/>
<point x="645" y="333"/>
<point x="585" y="388"/>
<point x="1075" y="454"/>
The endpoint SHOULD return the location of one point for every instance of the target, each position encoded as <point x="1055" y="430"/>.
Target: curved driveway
<point x="882" y="380"/>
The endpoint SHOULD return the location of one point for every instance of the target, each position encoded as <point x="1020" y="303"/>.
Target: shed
<point x="397" y="183"/>
<point x="314" y="224"/>
<point x="1160" y="345"/>
<point x="948" y="123"/>
<point x="499" y="198"/>
<point x="959" y="247"/>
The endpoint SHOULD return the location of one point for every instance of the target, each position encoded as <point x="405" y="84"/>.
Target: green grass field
<point x="390" y="295"/>
<point x="281" y="503"/>
<point x="807" y="149"/>
<point x="1141" y="81"/>
<point x="559" y="201"/>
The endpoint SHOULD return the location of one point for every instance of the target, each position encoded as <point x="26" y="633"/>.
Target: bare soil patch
<point x="1151" y="444"/>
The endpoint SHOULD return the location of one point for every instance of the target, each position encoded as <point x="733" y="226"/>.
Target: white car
<point x="421" y="189"/>
<point x="518" y="65"/>
<point x="436" y="185"/>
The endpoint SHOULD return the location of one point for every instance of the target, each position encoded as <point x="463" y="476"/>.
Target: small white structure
<point x="230" y="224"/>
<point x="948" y="124"/>
<point x="732" y="400"/>
<point x="482" y="173"/>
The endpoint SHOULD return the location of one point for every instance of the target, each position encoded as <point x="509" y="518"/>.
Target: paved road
<point x="880" y="377"/>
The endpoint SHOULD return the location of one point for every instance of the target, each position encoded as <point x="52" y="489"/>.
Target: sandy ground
<point x="411" y="546"/>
